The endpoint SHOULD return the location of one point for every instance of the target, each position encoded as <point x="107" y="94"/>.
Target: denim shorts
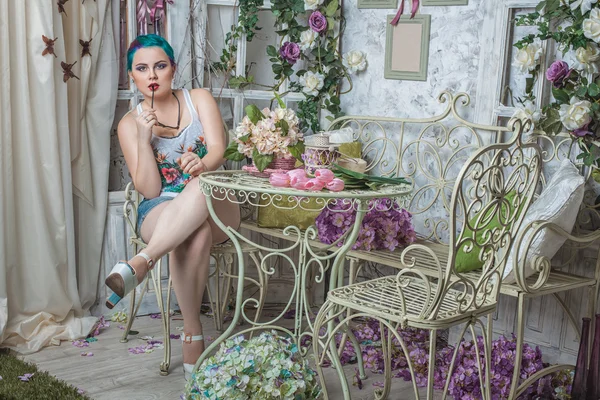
<point x="147" y="205"/>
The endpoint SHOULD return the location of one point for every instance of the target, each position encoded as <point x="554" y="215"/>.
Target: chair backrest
<point x="493" y="191"/>
<point x="428" y="152"/>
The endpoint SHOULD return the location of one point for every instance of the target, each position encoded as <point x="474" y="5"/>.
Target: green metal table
<point x="244" y="188"/>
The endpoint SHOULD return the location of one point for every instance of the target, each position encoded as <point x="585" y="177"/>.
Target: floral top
<point x="168" y="149"/>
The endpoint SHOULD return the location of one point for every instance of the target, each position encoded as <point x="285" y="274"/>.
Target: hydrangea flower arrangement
<point x="464" y="383"/>
<point x="385" y="226"/>
<point x="266" y="135"/>
<point x="268" y="366"/>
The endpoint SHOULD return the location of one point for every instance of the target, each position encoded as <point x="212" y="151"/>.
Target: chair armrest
<point x="539" y="263"/>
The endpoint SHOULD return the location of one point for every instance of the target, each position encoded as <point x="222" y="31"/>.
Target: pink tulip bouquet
<point x="297" y="179"/>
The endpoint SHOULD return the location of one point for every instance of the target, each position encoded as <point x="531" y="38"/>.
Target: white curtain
<point x="54" y="160"/>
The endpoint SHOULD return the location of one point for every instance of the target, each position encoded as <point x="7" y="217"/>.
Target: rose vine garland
<point x="575" y="108"/>
<point x="315" y="42"/>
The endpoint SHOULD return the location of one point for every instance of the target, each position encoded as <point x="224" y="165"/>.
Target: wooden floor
<point x="113" y="373"/>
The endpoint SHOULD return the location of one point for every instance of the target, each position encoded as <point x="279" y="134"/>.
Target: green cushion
<point x="466" y="262"/>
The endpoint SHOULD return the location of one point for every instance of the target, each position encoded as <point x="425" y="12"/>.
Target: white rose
<point x="355" y="60"/>
<point x="529" y="111"/>
<point x="586" y="5"/>
<point x="591" y="26"/>
<point x="586" y="58"/>
<point x="312" y="82"/>
<point x="308" y="39"/>
<point x="576" y="114"/>
<point x="312" y="4"/>
<point x="527" y="58"/>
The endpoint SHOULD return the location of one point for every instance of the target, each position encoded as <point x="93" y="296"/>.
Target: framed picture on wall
<point x="377" y="4"/>
<point x="445" y="2"/>
<point x="407" y="48"/>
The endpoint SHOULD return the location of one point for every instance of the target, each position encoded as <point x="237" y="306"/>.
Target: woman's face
<point x="152" y="67"/>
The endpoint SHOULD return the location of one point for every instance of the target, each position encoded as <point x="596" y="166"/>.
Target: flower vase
<point x="581" y="367"/>
<point x="593" y="379"/>
<point x="279" y="164"/>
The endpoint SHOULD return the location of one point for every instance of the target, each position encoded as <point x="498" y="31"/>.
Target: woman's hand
<point x="145" y="121"/>
<point x="191" y="164"/>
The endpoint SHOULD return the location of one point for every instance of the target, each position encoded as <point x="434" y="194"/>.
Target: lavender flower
<point x="317" y="22"/>
<point x="290" y="52"/>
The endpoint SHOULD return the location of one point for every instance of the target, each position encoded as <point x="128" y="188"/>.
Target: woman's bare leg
<point x="189" y="265"/>
<point x="181" y="217"/>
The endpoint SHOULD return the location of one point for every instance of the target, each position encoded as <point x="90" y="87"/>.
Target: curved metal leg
<point x="156" y="280"/>
<point x="133" y="310"/>
<point x="386" y="348"/>
<point x="519" y="351"/>
<point x="263" y="281"/>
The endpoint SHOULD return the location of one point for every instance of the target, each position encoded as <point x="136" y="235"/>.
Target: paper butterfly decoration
<point x="49" y="46"/>
<point x="67" y="73"/>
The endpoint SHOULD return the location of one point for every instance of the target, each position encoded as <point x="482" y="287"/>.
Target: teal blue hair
<point x="150" y="40"/>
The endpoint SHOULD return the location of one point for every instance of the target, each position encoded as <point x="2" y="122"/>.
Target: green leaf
<point x="297" y="150"/>
<point x="331" y="8"/>
<point x="253" y="113"/>
<point x="272" y="51"/>
<point x="540" y="6"/>
<point x="284" y="127"/>
<point x="261" y="161"/>
<point x="581" y="91"/>
<point x="231" y="152"/>
<point x="279" y="101"/>
<point x="529" y="82"/>
<point x="561" y="95"/>
<point x="552" y="124"/>
<point x="593" y="89"/>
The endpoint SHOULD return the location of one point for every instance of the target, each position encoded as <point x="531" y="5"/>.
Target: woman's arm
<point x="139" y="157"/>
<point x="212" y="123"/>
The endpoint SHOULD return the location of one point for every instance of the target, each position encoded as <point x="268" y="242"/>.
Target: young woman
<point x="168" y="140"/>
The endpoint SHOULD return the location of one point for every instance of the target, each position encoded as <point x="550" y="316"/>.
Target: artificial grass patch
<point x="40" y="386"/>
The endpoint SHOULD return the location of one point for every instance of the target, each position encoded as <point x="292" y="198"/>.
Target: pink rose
<point x="324" y="175"/>
<point x="314" y="184"/>
<point x="336" y="185"/>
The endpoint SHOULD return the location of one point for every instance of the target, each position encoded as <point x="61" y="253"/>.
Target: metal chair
<point x="412" y="298"/>
<point x="223" y="254"/>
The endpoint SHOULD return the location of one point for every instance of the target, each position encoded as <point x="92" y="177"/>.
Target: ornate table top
<point x="258" y="191"/>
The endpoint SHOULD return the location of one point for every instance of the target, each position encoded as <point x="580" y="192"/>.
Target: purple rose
<point x="290" y="52"/>
<point x="583" y="131"/>
<point x="558" y="72"/>
<point x="317" y="22"/>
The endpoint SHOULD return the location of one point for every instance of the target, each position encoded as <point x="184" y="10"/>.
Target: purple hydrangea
<point x="290" y="52"/>
<point x="464" y="382"/>
<point x="317" y="22"/>
<point x="385" y="226"/>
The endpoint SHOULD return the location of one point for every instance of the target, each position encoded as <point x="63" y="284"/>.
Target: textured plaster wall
<point x="454" y="54"/>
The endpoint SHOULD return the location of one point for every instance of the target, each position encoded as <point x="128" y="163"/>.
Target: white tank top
<point x="168" y="149"/>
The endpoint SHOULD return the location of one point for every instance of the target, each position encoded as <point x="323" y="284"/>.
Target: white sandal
<point x="123" y="276"/>
<point x="188" y="369"/>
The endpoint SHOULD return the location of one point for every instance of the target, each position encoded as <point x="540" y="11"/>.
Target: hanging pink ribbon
<point x="413" y="12"/>
<point x="142" y="17"/>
